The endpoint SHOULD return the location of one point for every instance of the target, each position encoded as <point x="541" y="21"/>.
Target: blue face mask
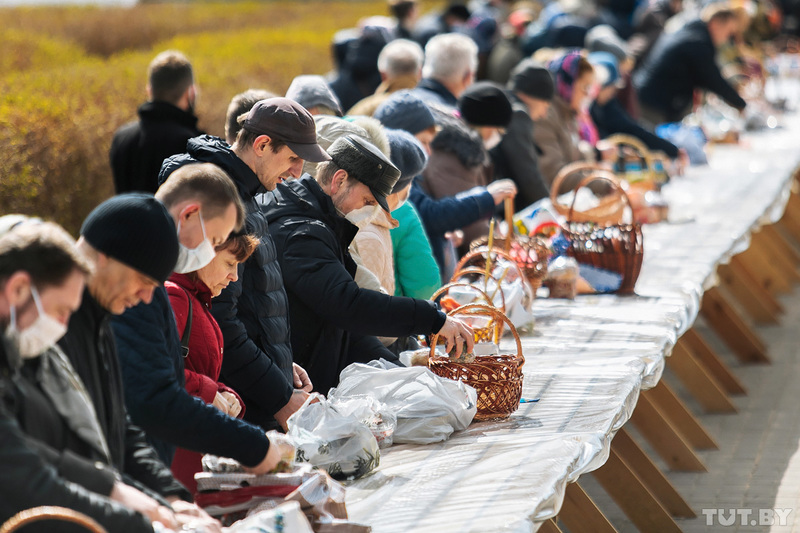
<point x="193" y="259"/>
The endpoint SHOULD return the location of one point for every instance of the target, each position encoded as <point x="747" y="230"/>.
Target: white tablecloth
<point x="586" y="362"/>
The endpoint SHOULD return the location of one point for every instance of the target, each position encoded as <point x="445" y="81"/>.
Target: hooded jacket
<point x="252" y="312"/>
<point x="457" y="164"/>
<point x="139" y="147"/>
<point x="333" y="320"/>
<point x="678" y="64"/>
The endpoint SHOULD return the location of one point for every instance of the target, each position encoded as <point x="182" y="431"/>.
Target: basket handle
<point x="49" y="512"/>
<point x="478" y="252"/>
<point x="644" y="152"/>
<point x="508" y="204"/>
<point x="450" y="285"/>
<point x="566" y="171"/>
<point x="481" y="309"/>
<point x="597" y="177"/>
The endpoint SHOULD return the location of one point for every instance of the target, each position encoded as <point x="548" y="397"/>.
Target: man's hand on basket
<point x="456" y="333"/>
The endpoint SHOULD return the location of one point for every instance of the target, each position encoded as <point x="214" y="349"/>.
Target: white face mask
<point x="39" y="336"/>
<point x="363" y="216"/>
<point x="191" y="260"/>
<point x="493" y="140"/>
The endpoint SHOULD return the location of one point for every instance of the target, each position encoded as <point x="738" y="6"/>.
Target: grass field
<point x="70" y="76"/>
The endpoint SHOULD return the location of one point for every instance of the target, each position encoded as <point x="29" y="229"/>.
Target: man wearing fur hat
<point x="333" y="320"/>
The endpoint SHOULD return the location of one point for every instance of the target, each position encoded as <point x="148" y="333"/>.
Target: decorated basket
<point x="614" y="247"/>
<point x="50" y="513"/>
<point x="488" y="330"/>
<point x="497" y="378"/>
<point x="610" y="208"/>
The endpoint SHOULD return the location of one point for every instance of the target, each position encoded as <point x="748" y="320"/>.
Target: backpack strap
<point x="187" y="330"/>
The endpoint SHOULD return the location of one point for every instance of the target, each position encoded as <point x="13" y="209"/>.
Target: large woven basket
<point x="610" y="208"/>
<point x="497" y="378"/>
<point x="50" y="513"/>
<point x="530" y="256"/>
<point x="615" y="247"/>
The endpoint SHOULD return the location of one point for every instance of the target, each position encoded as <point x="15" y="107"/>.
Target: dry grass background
<point x="70" y="76"/>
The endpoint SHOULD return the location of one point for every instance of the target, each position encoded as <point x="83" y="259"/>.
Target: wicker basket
<point x="632" y="150"/>
<point x="38" y="514"/>
<point x="497" y="378"/>
<point x="615" y="247"/>
<point x="493" y="330"/>
<point x="531" y="256"/>
<point x="610" y="208"/>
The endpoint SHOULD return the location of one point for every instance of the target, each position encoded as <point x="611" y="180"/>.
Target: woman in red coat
<point x="203" y="363"/>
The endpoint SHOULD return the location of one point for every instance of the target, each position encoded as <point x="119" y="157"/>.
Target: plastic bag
<point x="372" y="413"/>
<point x="285" y="517"/>
<point x="339" y="444"/>
<point x="428" y="408"/>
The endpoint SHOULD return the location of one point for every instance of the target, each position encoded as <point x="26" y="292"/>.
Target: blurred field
<point x="70" y="76"/>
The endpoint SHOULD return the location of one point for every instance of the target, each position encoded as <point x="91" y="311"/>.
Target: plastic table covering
<point x="586" y="362"/>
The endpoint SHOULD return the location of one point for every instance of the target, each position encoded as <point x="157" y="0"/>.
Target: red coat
<point x="202" y="365"/>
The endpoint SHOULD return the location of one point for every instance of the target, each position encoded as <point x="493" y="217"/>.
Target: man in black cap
<point x="334" y="322"/>
<point x="530" y="90"/>
<point x="277" y="135"/>
<point x="132" y="242"/>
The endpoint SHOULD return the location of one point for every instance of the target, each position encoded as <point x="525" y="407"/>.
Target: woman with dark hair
<point x="190" y="296"/>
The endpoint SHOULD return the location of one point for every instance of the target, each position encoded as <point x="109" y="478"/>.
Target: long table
<point x="586" y="362"/>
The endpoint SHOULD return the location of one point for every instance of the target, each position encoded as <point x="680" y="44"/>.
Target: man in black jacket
<point x="530" y="90"/>
<point x="165" y="123"/>
<point x="278" y="134"/>
<point x="52" y="450"/>
<point x="334" y="321"/>
<point x="682" y="62"/>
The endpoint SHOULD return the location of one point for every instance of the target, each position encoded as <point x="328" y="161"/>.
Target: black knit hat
<point x="137" y="230"/>
<point x="532" y="79"/>
<point x="485" y="104"/>
<point x="367" y="164"/>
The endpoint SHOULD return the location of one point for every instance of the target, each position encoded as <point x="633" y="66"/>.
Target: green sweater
<point x="415" y="271"/>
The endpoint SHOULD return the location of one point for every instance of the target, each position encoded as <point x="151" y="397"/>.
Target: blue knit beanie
<point x="137" y="230"/>
<point x="408" y="155"/>
<point x="405" y="111"/>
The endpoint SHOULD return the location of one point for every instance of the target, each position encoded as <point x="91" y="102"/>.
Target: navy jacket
<point x="432" y="92"/>
<point x="678" y="64"/>
<point x="448" y="214"/>
<point x="252" y="312"/>
<point x="333" y="320"/>
<point x="612" y="118"/>
<point x="152" y="369"/>
<point x="139" y="147"/>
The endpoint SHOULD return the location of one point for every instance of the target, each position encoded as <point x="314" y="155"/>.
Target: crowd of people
<point x="229" y="278"/>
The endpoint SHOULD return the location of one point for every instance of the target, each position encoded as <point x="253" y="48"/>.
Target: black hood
<point x="296" y="201"/>
<point x="459" y="140"/>
<point x="158" y="111"/>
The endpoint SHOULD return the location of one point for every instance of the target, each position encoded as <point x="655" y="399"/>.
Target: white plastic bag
<point x="285" y="517"/>
<point x="428" y="408"/>
<point x="372" y="413"/>
<point x="337" y="443"/>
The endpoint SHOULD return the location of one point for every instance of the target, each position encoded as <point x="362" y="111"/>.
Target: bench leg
<point x="732" y="329"/>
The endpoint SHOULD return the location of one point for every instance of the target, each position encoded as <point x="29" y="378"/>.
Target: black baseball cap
<point x="287" y="121"/>
<point x="364" y="162"/>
